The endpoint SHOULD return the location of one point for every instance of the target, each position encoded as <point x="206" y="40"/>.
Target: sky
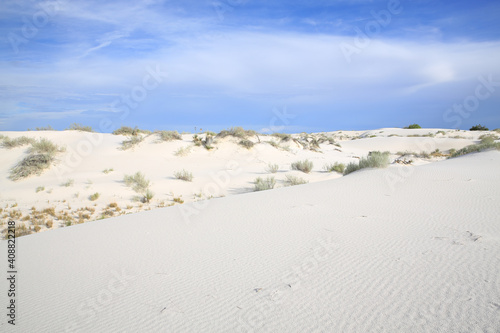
<point x="271" y="66"/>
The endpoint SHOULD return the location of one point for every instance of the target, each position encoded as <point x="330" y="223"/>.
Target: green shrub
<point x="184" y="175"/>
<point x="169" y="135"/>
<point x="125" y="130"/>
<point x="148" y="195"/>
<point x="291" y="180"/>
<point x="476" y="148"/>
<point x="33" y="164"/>
<point x="246" y="143"/>
<point x="79" y="127"/>
<point x="282" y="136"/>
<point x="264" y="184"/>
<point x="375" y="159"/>
<point x="478" y="128"/>
<point x="413" y="126"/>
<point x="68" y="183"/>
<point x="94" y="196"/>
<point x="44" y="146"/>
<point x="236" y="132"/>
<point x="17" y="142"/>
<point x="132" y="142"/>
<point x="272" y="168"/>
<point x="304" y="166"/>
<point x="138" y="182"/>
<point x="337" y="167"/>
<point x="488" y="138"/>
<point x="40" y="188"/>
<point x="441" y="132"/>
<point x="106" y="171"/>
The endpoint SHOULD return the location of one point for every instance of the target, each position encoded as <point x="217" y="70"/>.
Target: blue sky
<point x="288" y="66"/>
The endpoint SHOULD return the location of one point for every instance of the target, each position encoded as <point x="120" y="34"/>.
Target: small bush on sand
<point x="138" y="182"/>
<point x="125" y="130"/>
<point x="40" y="189"/>
<point x="183" y="151"/>
<point x="68" y="183"/>
<point x="246" y="143"/>
<point x="488" y="138"/>
<point x="413" y="126"/>
<point x="44" y="146"/>
<point x="94" y="196"/>
<point x="375" y="159"/>
<point x="478" y="128"/>
<point x="236" y="132"/>
<point x="106" y="171"/>
<point x="132" y="142"/>
<point x="33" y="164"/>
<point x="291" y="180"/>
<point x="79" y="127"/>
<point x="262" y="184"/>
<point x="476" y="148"/>
<point x="282" y="136"/>
<point x="184" y="175"/>
<point x="272" y="168"/>
<point x="304" y="166"/>
<point x="337" y="167"/>
<point x="169" y="135"/>
<point x="17" y="142"/>
<point x="148" y="195"/>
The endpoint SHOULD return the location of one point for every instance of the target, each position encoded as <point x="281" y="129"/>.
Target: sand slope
<point x="395" y="250"/>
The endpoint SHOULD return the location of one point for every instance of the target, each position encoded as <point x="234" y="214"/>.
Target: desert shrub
<point x="148" y="195"/>
<point x="488" y="138"/>
<point x="94" y="197"/>
<point x="79" y="127"/>
<point x="46" y="128"/>
<point x="169" y="135"/>
<point x="237" y="132"/>
<point x="20" y="230"/>
<point x="282" y="136"/>
<point x="183" y="151"/>
<point x="33" y="164"/>
<point x="375" y="159"/>
<point x="184" y="175"/>
<point x="125" y="130"/>
<point x="262" y="184"/>
<point x="272" y="168"/>
<point x="476" y="148"/>
<point x="478" y="128"/>
<point x="337" y="167"/>
<point x="413" y="126"/>
<point x="246" y="143"/>
<point x="452" y="151"/>
<point x="17" y="142"/>
<point x="178" y="200"/>
<point x="49" y="224"/>
<point x="441" y="132"/>
<point x="44" y="146"/>
<point x="40" y="188"/>
<point x="132" y="142"/>
<point x="106" y="171"/>
<point x="291" y="180"/>
<point x="304" y="166"/>
<point x="68" y="183"/>
<point x="138" y="182"/>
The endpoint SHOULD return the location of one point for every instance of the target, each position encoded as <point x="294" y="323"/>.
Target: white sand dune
<point x="403" y="249"/>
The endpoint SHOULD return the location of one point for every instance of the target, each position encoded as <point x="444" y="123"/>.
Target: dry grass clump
<point x="282" y="136"/>
<point x="272" y="168"/>
<point x="44" y="146"/>
<point x="79" y="127"/>
<point x="68" y="183"/>
<point x="178" y="200"/>
<point x="183" y="151"/>
<point x="237" y="132"/>
<point x="304" y="166"/>
<point x="262" y="184"/>
<point x="19" y="231"/>
<point x="33" y="164"/>
<point x="337" y="167"/>
<point x="246" y="143"/>
<point x="139" y="184"/>
<point x="106" y="171"/>
<point x="125" y="130"/>
<point x="132" y="142"/>
<point x="375" y="159"/>
<point x="168" y="135"/>
<point x="291" y="180"/>
<point x="17" y="142"/>
<point x="488" y="138"/>
<point x="184" y="175"/>
<point x="476" y="148"/>
<point x="94" y="197"/>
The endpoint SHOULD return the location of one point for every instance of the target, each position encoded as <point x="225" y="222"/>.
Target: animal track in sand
<point x="466" y="237"/>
